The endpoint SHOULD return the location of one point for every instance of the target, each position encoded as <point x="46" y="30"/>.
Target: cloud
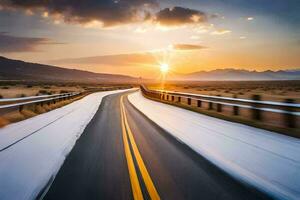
<point x="107" y="12"/>
<point x="10" y="44"/>
<point x="177" y="16"/>
<point x="187" y="47"/>
<point x="110" y="60"/>
<point x="195" y="37"/>
<point x="221" y="32"/>
<point x="140" y="30"/>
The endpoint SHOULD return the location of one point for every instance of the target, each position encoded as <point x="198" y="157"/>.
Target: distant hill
<point x="236" y="75"/>
<point x="19" y="70"/>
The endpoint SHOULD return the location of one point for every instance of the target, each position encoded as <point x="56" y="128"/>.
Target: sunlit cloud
<point x="56" y="22"/>
<point x="221" y="32"/>
<point x="45" y="14"/>
<point x="29" y="12"/>
<point x="202" y="29"/>
<point x="93" y="24"/>
<point x="195" y="37"/>
<point x="140" y="30"/>
<point x="187" y="47"/>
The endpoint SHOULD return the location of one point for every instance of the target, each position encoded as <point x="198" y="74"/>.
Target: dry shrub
<point x="28" y="113"/>
<point x="14" y="117"/>
<point x="64" y="91"/>
<point x="3" y="122"/>
<point x="60" y="104"/>
<point x="21" y="95"/>
<point x="39" y="109"/>
<point x="46" y="107"/>
<point x="53" y="106"/>
<point x="31" y="112"/>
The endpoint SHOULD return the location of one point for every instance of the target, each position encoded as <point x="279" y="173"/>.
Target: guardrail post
<point x="179" y="99"/>
<point x="189" y="101"/>
<point x="210" y="105"/>
<point x="256" y="113"/>
<point x="219" y="107"/>
<point x="235" y="108"/>
<point x="289" y="118"/>
<point x="20" y="108"/>
<point x="199" y="103"/>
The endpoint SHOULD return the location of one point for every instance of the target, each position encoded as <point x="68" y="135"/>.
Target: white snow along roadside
<point x="27" y="166"/>
<point x="265" y="159"/>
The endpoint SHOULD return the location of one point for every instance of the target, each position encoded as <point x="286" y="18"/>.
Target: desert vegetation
<point x="22" y="90"/>
<point x="12" y="89"/>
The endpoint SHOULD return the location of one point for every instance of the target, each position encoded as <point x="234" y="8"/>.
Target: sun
<point x="164" y="68"/>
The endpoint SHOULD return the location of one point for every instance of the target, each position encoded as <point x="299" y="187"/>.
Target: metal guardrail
<point x="52" y="99"/>
<point x="9" y="100"/>
<point x="271" y="103"/>
<point x="11" y="103"/>
<point x="289" y="110"/>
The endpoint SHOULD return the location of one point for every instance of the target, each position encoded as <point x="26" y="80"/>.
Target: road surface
<point x="123" y="155"/>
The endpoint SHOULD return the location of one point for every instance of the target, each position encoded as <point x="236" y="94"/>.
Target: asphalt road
<point x="123" y="155"/>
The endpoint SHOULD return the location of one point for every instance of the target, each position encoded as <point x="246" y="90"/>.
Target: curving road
<point x="123" y="155"/>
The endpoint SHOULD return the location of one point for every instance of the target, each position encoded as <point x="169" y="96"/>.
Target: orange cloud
<point x="188" y="47"/>
<point x="221" y="32"/>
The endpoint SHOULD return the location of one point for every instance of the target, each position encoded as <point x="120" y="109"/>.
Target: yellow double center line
<point x="135" y="185"/>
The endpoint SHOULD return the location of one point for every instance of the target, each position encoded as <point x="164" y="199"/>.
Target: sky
<point x="135" y="37"/>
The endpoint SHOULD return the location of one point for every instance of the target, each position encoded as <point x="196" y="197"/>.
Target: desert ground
<point x="25" y="89"/>
<point x="268" y="90"/>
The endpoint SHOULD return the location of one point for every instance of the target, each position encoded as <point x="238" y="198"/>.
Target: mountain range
<point x="20" y="70"/>
<point x="238" y="75"/>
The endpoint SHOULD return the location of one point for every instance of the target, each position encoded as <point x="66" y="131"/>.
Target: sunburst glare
<point x="164" y="68"/>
